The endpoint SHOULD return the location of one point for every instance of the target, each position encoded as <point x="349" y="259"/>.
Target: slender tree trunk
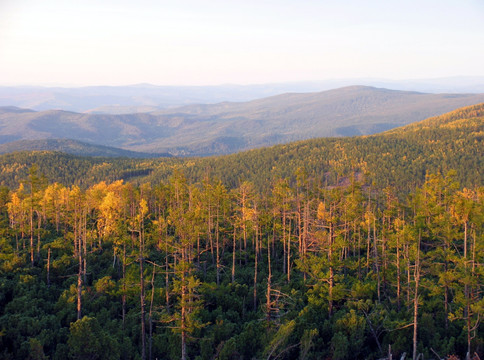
<point x="368" y="248"/>
<point x="398" y="273"/>
<point x="31" y="234"/>
<point x="415" y="301"/>
<point x="79" y="281"/>
<point x="377" y="266"/>
<point x="48" y="268"/>
<point x="142" y="300"/>
<point x="359" y="253"/>
<point x="217" y="250"/>
<point x="150" y="315"/>
<point x="167" y="276"/>
<point x="84" y="243"/>
<point x="268" y="296"/>
<point x="284" y="255"/>
<point x="289" y="253"/>
<point x="233" y="253"/>
<point x="408" y="274"/>
<point x="467" y="292"/>
<point x="183" y="325"/>
<point x="39" y="224"/>
<point x="255" y="265"/>
<point x="123" y="295"/>
<point x="331" y="270"/>
<point x="78" y="241"/>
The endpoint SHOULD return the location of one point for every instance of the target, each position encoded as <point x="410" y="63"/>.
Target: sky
<point x="213" y="42"/>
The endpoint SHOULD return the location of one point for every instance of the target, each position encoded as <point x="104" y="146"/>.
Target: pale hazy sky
<point x="209" y="42"/>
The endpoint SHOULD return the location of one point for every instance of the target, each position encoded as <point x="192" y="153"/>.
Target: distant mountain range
<point x="147" y="97"/>
<point x="229" y="127"/>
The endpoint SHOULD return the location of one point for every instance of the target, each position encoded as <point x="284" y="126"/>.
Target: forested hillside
<point x="399" y="158"/>
<point x="73" y="147"/>
<point x="215" y="129"/>
<point x="323" y="249"/>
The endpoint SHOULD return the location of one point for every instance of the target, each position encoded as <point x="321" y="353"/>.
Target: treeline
<point x="183" y="270"/>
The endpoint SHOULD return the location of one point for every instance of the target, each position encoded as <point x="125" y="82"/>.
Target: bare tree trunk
<point x="415" y="301"/>
<point x="150" y="316"/>
<point x="377" y="266"/>
<point x="331" y="270"/>
<point x="142" y="297"/>
<point x="284" y="255"/>
<point x="268" y="297"/>
<point x="217" y="249"/>
<point x="289" y="254"/>
<point x="78" y="241"/>
<point x="79" y="281"/>
<point x="167" y="284"/>
<point x="183" y="325"/>
<point x="398" y="272"/>
<point x="32" y="233"/>
<point x="255" y="265"/>
<point x="233" y="253"/>
<point x="39" y="224"/>
<point x="48" y="268"/>
<point x="123" y="296"/>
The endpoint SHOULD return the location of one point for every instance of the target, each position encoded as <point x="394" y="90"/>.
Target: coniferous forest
<point x="340" y="265"/>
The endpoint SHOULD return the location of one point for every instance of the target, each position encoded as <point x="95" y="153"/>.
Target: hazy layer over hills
<point x="146" y="97"/>
<point x="230" y="127"/>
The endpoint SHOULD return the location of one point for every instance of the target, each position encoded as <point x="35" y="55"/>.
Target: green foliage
<point x="336" y="268"/>
<point x="87" y="340"/>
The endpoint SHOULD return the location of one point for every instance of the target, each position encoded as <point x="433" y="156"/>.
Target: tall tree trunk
<point x="217" y="249"/>
<point x="32" y="232"/>
<point x="467" y="292"/>
<point x="233" y="253"/>
<point x="398" y="272"/>
<point x="39" y="224"/>
<point x="84" y="243"/>
<point x="415" y="301"/>
<point x="376" y="259"/>
<point x="48" y="268"/>
<point x="150" y="315"/>
<point x="284" y="253"/>
<point x="167" y="278"/>
<point x="289" y="253"/>
<point x="79" y="280"/>
<point x="123" y="296"/>
<point x="255" y="265"/>
<point x="142" y="297"/>
<point x="78" y="248"/>
<point x="331" y="270"/>
<point x="184" y="304"/>
<point x="268" y="296"/>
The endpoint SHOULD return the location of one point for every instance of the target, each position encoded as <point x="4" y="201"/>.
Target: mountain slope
<point x="231" y="127"/>
<point x="400" y="157"/>
<point x="73" y="147"/>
